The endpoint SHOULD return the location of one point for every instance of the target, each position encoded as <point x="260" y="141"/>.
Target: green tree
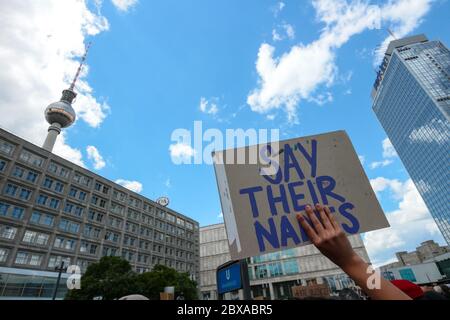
<point x="150" y="284"/>
<point x="110" y="278"/>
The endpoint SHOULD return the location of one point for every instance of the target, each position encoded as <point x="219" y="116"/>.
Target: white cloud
<point x="220" y="215"/>
<point x="388" y="153"/>
<point x="278" y="8"/>
<point x="377" y="164"/>
<point x="131" y="185"/>
<point x="39" y="47"/>
<point x="362" y="159"/>
<point x="67" y="152"/>
<point x="181" y="152"/>
<point x="410" y="223"/>
<point x="295" y="75"/>
<point x="168" y="183"/>
<point x="282" y="32"/>
<point x="380" y="184"/>
<point x="124" y="5"/>
<point x="208" y="106"/>
<point x="96" y="157"/>
<point x="388" y="149"/>
<point x="436" y="131"/>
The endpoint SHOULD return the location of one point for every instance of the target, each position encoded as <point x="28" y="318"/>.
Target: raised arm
<point x="327" y="235"/>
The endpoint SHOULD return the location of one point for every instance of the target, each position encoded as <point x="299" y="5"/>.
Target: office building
<point x="273" y="275"/>
<point x="427" y="251"/>
<point x="411" y="98"/>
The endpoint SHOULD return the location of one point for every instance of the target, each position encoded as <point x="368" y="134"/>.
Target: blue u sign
<point x="229" y="278"/>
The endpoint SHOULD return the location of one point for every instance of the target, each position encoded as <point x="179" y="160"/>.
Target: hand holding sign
<point x="327" y="235"/>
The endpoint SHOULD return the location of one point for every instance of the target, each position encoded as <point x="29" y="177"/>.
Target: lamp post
<point x="60" y="270"/>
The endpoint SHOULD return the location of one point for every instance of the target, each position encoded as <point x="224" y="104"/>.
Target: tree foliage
<point x="112" y="278"/>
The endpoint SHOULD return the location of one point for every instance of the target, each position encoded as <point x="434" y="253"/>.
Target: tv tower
<point x="61" y="114"/>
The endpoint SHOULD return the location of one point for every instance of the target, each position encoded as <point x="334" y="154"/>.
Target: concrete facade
<point x="52" y="210"/>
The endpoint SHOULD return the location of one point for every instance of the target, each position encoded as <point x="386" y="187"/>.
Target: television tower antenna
<point x="80" y="67"/>
<point x="61" y="114"/>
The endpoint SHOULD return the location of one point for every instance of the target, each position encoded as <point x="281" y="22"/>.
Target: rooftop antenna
<point x="391" y="33"/>
<point x="83" y="59"/>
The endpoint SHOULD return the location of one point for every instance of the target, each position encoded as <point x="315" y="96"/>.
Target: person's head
<point x="411" y="289"/>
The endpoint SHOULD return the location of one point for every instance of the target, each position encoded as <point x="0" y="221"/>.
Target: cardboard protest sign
<point x="259" y="209"/>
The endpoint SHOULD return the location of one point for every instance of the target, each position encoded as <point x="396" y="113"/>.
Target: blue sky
<point x="153" y="62"/>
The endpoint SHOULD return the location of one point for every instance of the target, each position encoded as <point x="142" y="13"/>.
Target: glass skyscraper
<point x="411" y="98"/>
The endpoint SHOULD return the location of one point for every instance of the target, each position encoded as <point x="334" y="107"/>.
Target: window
<point x="73" y="209"/>
<point x="69" y="226"/>
<point x="31" y="158"/>
<point x="42" y="219"/>
<point x="95" y="216"/>
<point x="110" y="251"/>
<point x="65" y="243"/>
<point x="133" y="214"/>
<point x="4" y="209"/>
<point x="6" y="147"/>
<point x="18" y="172"/>
<point x="88" y="248"/>
<point x="131" y="227"/>
<point x="58" y="170"/>
<point x="2" y="165"/>
<point x="3" y="254"/>
<point x="25" y="194"/>
<point x="42" y="199"/>
<point x="32" y="176"/>
<point x="54" y="203"/>
<point x="48" y="183"/>
<point x="134" y="202"/>
<point x="59" y="187"/>
<point x="55" y="261"/>
<point x="82" y="196"/>
<point x="82" y="179"/>
<point x="91" y="231"/>
<point x="119" y="196"/>
<point x="17" y="213"/>
<point x="101" y="188"/>
<point x="117" y="208"/>
<point x="33" y="237"/>
<point x="7" y="232"/>
<point x="73" y="192"/>
<point x="28" y="258"/>
<point x="115" y="222"/>
<point x="98" y="201"/>
<point x="112" y="236"/>
<point x="129" y="241"/>
<point x="11" y="190"/>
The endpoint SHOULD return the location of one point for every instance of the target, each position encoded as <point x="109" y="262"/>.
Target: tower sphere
<point x="61" y="112"/>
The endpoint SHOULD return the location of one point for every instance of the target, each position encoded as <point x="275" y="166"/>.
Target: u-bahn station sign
<point x="261" y="194"/>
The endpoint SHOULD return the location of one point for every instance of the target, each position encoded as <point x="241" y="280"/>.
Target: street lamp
<point x="60" y="270"/>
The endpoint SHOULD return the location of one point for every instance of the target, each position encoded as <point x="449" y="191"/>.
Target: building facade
<point x="273" y="275"/>
<point x="426" y="252"/>
<point x="52" y="210"/>
<point x="411" y="98"/>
